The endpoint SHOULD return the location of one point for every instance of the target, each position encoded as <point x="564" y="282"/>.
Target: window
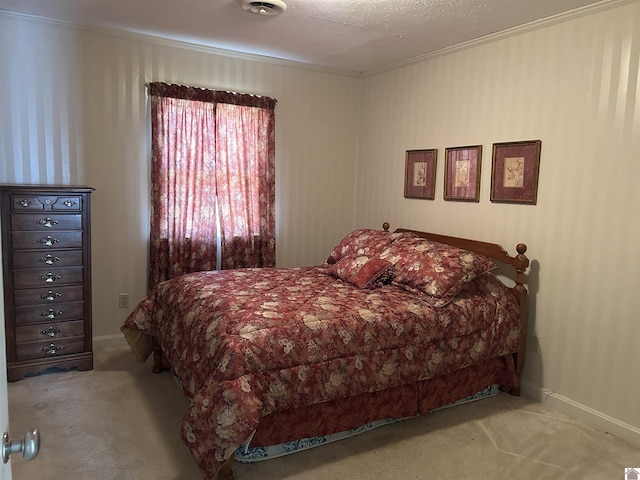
<point x="212" y="181"/>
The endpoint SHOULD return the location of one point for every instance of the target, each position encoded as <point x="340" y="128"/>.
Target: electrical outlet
<point x="534" y="344"/>
<point x="123" y="300"/>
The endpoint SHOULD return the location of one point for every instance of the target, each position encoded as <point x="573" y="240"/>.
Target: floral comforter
<point x="246" y="343"/>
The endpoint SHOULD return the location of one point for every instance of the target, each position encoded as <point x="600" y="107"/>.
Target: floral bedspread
<point x="246" y="343"/>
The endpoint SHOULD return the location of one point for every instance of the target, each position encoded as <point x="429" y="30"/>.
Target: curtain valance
<point x="211" y="96"/>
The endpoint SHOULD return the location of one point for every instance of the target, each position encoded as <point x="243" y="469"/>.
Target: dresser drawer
<point x="31" y="221"/>
<point x="40" y="240"/>
<point x="48" y="296"/>
<point x="49" y="331"/>
<point x="45" y="313"/>
<point x="59" y="258"/>
<point x="43" y="277"/>
<point x="50" y="348"/>
<point x="46" y="202"/>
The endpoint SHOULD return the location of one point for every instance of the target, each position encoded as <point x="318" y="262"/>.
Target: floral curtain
<point x="212" y="179"/>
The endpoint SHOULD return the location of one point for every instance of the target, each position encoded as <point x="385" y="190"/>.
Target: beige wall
<point x="74" y="111"/>
<point x="575" y="86"/>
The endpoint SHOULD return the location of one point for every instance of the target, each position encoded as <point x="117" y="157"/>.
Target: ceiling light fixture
<point x="272" y="7"/>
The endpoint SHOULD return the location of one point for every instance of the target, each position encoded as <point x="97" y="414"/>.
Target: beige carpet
<point x="120" y="421"/>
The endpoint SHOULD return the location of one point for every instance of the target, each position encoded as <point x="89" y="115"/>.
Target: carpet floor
<point x="120" y="421"/>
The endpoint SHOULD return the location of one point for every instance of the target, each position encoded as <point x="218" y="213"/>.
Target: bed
<point x="392" y="325"/>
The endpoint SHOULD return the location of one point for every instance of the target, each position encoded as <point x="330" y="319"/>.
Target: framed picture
<point x="514" y="172"/>
<point x="462" y="173"/>
<point x="420" y="174"/>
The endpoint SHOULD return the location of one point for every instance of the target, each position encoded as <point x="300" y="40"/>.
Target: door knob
<point x="29" y="445"/>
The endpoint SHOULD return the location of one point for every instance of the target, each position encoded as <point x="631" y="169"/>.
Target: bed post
<point x="226" y="472"/>
<point x="157" y="356"/>
<point x="521" y="293"/>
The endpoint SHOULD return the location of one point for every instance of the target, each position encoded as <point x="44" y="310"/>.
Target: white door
<point x="5" y="469"/>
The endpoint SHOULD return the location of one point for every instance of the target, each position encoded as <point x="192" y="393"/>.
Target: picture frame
<point x="420" y="174"/>
<point x="514" y="172"/>
<point x="462" y="173"/>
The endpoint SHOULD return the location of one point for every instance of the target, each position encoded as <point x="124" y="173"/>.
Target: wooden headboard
<point x="519" y="262"/>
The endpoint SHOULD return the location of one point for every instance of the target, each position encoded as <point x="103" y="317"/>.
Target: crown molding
<point x="511" y="32"/>
<point x="183" y="44"/>
<point x="192" y="46"/>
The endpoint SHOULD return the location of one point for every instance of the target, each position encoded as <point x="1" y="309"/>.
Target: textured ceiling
<point x="355" y="35"/>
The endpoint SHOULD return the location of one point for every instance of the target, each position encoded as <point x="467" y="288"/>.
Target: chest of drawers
<point x="46" y="257"/>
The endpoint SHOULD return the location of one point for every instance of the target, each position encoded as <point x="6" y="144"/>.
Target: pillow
<point x="363" y="242"/>
<point x="434" y="270"/>
<point x="362" y="271"/>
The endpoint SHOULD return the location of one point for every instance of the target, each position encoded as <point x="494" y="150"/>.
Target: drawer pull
<point x="70" y="203"/>
<point x="51" y="349"/>
<point x="49" y="259"/>
<point x="48" y="241"/>
<point x="50" y="296"/>
<point x="51" y="331"/>
<point x="51" y="313"/>
<point x="50" y="277"/>
<point x="25" y="203"/>
<point x="47" y="222"/>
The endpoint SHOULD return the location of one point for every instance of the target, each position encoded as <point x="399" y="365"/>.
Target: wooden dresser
<point x="47" y="278"/>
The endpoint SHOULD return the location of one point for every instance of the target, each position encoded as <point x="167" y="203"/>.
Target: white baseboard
<point x="589" y="416"/>
<point x="107" y="341"/>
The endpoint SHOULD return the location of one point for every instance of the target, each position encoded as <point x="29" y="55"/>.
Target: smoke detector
<point x="272" y="7"/>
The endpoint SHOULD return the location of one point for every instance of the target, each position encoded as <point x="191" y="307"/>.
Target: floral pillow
<point x="435" y="270"/>
<point x="362" y="271"/>
<point x="363" y="242"/>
